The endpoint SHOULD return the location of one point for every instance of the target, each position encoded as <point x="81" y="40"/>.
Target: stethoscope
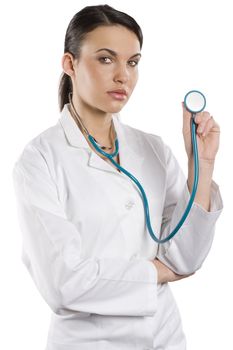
<point x="194" y="102"/>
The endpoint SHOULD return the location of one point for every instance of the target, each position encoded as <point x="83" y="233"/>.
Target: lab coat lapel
<point x="129" y="152"/>
<point x="129" y="158"/>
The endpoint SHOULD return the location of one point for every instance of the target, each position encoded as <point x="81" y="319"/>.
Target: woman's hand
<point x="208" y="133"/>
<point x="164" y="274"/>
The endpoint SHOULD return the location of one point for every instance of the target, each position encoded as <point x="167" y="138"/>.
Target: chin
<point x="110" y="107"/>
<point x="114" y="109"/>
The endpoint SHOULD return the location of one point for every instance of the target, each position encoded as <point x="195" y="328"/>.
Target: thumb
<point x="186" y="117"/>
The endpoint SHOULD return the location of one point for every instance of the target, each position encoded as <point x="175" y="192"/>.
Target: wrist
<point x="202" y="196"/>
<point x="203" y="163"/>
<point x="206" y="169"/>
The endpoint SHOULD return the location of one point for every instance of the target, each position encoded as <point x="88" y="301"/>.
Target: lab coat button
<point x="129" y="205"/>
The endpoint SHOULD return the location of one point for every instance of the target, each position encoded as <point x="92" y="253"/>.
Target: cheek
<point x="88" y="75"/>
<point x="96" y="77"/>
<point x="133" y="80"/>
<point x="93" y="78"/>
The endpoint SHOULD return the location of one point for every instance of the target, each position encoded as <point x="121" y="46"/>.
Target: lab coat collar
<point x="72" y="131"/>
<point x="129" y="152"/>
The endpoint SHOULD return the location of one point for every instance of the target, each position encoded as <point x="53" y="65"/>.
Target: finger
<point x="186" y="118"/>
<point x="201" y="120"/>
<point x="186" y="113"/>
<point x="208" y="127"/>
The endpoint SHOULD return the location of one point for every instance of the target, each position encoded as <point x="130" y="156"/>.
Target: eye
<point x="133" y="63"/>
<point x="105" y="59"/>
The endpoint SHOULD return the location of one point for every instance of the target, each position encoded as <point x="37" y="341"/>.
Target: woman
<point x="85" y="242"/>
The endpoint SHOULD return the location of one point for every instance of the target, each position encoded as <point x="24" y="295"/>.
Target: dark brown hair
<point x="83" y="22"/>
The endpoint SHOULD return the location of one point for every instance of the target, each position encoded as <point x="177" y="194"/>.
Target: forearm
<point x="165" y="274"/>
<point x="206" y="169"/>
<point x="187" y="250"/>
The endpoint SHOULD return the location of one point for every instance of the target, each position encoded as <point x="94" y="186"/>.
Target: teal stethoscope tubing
<point x="145" y="201"/>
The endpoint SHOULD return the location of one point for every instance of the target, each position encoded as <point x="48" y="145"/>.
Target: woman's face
<point x="108" y="62"/>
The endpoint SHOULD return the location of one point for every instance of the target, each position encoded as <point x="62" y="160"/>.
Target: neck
<point x="97" y="122"/>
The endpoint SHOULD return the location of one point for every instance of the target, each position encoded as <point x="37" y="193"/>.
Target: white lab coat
<point x="85" y="242"/>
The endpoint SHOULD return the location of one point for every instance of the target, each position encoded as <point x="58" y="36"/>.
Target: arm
<point x="52" y="253"/>
<point x="203" y="194"/>
<point x="165" y="275"/>
<point x="186" y="252"/>
<point x="208" y="135"/>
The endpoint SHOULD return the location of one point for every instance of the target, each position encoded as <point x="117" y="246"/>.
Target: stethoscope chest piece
<point x="195" y="101"/>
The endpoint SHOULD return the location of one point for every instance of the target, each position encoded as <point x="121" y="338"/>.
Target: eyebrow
<point x="113" y="53"/>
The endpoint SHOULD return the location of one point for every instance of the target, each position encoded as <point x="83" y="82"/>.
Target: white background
<point x="187" y="45"/>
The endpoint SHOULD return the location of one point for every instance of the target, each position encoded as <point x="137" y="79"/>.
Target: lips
<point x="119" y="91"/>
<point x="119" y="94"/>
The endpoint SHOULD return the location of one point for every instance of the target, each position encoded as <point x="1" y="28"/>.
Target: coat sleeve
<point x="187" y="250"/>
<point x="52" y="253"/>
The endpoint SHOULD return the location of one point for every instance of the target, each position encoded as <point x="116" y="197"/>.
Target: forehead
<point x="117" y="38"/>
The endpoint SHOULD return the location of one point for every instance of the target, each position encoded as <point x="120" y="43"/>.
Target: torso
<point x="117" y="160"/>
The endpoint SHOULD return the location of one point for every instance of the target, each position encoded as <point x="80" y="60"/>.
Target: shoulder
<point x="38" y="149"/>
<point x="49" y="136"/>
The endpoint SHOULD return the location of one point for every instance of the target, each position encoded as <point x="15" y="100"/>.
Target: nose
<point x="121" y="74"/>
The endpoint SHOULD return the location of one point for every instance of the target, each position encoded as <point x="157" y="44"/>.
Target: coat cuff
<point x="216" y="203"/>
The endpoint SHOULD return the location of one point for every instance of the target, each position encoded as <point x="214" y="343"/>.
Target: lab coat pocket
<point x="76" y="330"/>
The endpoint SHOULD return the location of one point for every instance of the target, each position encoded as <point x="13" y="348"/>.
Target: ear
<point x="68" y="64"/>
